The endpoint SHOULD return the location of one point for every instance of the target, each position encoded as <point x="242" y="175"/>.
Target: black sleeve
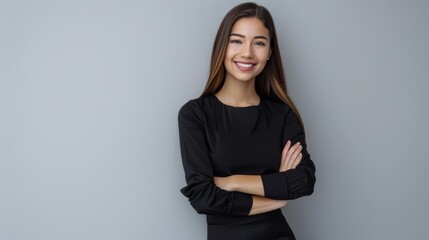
<point x="201" y="191"/>
<point x="293" y="183"/>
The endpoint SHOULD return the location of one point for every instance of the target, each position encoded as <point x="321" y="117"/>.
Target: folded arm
<point x="253" y="184"/>
<point x="296" y="176"/>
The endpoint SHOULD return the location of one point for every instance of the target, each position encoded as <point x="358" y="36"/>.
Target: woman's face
<point x="248" y="49"/>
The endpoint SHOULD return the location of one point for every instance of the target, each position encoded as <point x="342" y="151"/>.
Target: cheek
<point x="229" y="55"/>
<point x="232" y="50"/>
<point x="262" y="54"/>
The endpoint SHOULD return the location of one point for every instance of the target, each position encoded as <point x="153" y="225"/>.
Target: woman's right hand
<point x="291" y="156"/>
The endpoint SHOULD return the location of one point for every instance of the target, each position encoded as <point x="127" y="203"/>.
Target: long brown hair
<point x="271" y="82"/>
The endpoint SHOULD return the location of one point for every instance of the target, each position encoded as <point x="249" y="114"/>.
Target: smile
<point x="244" y="66"/>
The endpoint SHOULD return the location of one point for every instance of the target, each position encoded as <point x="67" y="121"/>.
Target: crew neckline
<point x="234" y="107"/>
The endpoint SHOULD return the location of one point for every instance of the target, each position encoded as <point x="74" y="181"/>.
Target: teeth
<point x="246" y="65"/>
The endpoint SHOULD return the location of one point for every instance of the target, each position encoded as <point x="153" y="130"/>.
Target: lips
<point x="243" y="66"/>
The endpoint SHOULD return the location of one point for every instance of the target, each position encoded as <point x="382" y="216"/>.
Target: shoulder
<point x="276" y="107"/>
<point x="194" y="109"/>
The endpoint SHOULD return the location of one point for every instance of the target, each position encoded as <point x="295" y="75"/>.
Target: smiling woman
<point x="242" y="142"/>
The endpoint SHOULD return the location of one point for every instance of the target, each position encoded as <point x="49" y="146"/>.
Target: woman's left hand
<point x="291" y="156"/>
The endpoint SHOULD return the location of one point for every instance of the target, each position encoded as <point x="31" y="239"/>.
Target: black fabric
<point x="221" y="140"/>
<point x="268" y="226"/>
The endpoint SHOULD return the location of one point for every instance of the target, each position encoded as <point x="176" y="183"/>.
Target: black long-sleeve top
<point x="221" y="140"/>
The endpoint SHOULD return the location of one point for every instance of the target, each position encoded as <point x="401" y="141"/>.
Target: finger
<point x="283" y="156"/>
<point x="296" y="153"/>
<point x="293" y="156"/>
<point x="282" y="165"/>
<point x="285" y="149"/>
<point x="297" y="161"/>
<point x="297" y="156"/>
<point x="292" y="149"/>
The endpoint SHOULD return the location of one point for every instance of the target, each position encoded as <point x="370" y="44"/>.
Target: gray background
<point x="89" y="94"/>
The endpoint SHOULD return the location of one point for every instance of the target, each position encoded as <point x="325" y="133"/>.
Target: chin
<point x="243" y="78"/>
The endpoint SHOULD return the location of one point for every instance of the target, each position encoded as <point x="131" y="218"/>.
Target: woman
<point x="242" y="142"/>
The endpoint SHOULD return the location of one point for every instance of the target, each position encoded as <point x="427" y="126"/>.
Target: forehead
<point x="250" y="27"/>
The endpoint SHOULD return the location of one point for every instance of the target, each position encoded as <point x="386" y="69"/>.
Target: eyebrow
<point x="242" y="36"/>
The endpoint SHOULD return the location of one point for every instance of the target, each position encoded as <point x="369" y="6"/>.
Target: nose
<point x="247" y="51"/>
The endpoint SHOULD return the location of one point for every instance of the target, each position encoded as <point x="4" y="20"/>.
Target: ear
<point x="271" y="51"/>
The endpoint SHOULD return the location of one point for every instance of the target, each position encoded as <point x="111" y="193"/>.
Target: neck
<point x="238" y="93"/>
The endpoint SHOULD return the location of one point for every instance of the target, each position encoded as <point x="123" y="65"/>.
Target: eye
<point x="260" y="43"/>
<point x="235" y="41"/>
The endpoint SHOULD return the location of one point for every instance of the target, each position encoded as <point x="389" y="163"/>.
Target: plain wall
<point x="90" y="90"/>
